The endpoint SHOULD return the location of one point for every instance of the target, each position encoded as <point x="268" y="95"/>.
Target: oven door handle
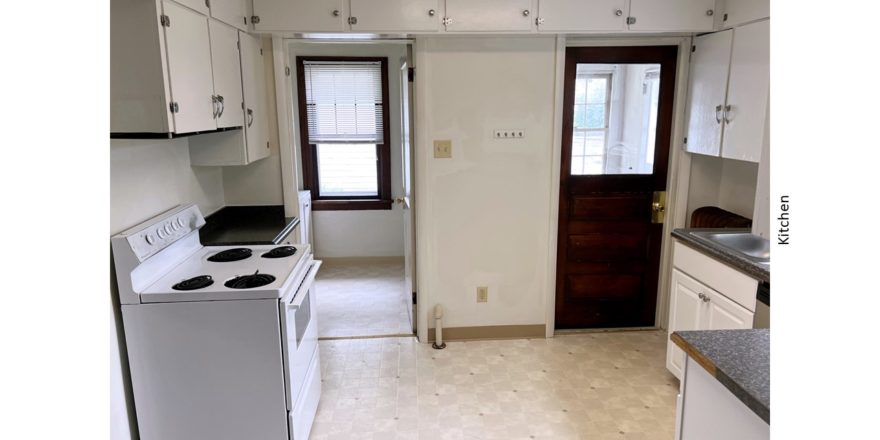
<point x="304" y="287"/>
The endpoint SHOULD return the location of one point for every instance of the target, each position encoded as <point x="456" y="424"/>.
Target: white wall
<point x="483" y="215"/>
<point x="362" y="233"/>
<point x="146" y="178"/>
<point x="726" y="183"/>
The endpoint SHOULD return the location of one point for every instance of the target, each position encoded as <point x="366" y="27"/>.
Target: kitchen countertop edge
<point x="732" y="259"/>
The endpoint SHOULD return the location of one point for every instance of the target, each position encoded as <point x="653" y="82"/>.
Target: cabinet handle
<point x="250" y="115"/>
<point x="214" y="105"/>
<point x="618" y="12"/>
<point x="704" y="297"/>
<point x="727" y="113"/>
<point x="222" y="105"/>
<point x="525" y="13"/>
<point x="718" y="113"/>
<point x="336" y="12"/>
<point x="431" y="12"/>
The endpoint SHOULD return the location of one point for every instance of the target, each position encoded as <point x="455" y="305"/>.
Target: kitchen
<point x="558" y="289"/>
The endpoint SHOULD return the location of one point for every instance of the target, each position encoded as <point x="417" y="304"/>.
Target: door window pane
<point x="347" y="170"/>
<point x="615" y="119"/>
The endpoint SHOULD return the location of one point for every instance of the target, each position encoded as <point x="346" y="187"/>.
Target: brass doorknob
<point x="399" y="200"/>
<point x="657" y="207"/>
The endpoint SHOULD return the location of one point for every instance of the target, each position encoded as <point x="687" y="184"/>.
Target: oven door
<point x="299" y="333"/>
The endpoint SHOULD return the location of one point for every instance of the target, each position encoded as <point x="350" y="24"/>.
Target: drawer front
<point x="303" y="414"/>
<point x="726" y="280"/>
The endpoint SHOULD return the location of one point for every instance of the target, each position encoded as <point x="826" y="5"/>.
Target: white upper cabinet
<point x="747" y="93"/>
<point x="710" y="64"/>
<point x="581" y="15"/>
<point x="227" y="74"/>
<point x="200" y="6"/>
<point x="488" y="16"/>
<point x="188" y="51"/>
<point x="300" y="15"/>
<point x="671" y="15"/>
<point x="395" y="15"/>
<point x="737" y="12"/>
<point x="256" y="106"/>
<point x="231" y="12"/>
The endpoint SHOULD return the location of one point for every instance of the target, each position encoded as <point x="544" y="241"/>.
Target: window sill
<point x="351" y="205"/>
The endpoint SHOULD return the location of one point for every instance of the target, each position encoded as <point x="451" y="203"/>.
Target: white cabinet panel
<point x="300" y="15"/>
<point x="200" y="6"/>
<point x="489" y="15"/>
<point x="188" y="51"/>
<point x="256" y="115"/>
<point x="672" y="15"/>
<point x="724" y="314"/>
<point x="581" y="15"/>
<point x="226" y="65"/>
<point x="395" y="15"/>
<point x="737" y="12"/>
<point x="686" y="310"/>
<point x="710" y="63"/>
<point x="748" y="92"/>
<point x="232" y="12"/>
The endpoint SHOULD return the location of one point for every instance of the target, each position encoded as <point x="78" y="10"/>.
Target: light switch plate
<point x="482" y="294"/>
<point x="442" y="149"/>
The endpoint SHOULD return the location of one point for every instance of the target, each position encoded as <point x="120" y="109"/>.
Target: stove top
<point x="205" y="277"/>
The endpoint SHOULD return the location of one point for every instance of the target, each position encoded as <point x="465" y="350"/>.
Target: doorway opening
<point x="617" y="127"/>
<point x="352" y="114"/>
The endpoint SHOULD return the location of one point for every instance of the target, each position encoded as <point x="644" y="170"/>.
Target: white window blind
<point x="344" y="101"/>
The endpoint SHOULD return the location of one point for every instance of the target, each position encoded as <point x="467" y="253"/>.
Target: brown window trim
<point x="308" y="151"/>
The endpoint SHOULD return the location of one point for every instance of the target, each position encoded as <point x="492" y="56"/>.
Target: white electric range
<point x="222" y="341"/>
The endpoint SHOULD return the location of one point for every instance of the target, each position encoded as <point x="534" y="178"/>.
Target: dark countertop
<point x="755" y="270"/>
<point x="247" y="225"/>
<point x="739" y="359"/>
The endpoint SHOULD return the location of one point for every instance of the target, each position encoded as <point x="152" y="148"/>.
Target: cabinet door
<point x="188" y="50"/>
<point x="672" y="15"/>
<point x="724" y="314"/>
<point x="226" y="65"/>
<point x="685" y="313"/>
<point x="737" y="12"/>
<point x="200" y="6"/>
<point x="231" y="12"/>
<point x="581" y="15"/>
<point x="256" y="123"/>
<point x="299" y="15"/>
<point x="489" y="15"/>
<point x="747" y="92"/>
<point x="395" y="15"/>
<point x="710" y="63"/>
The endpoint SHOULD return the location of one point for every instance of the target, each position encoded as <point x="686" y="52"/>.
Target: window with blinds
<point x="344" y="102"/>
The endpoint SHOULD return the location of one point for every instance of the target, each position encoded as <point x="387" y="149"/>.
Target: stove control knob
<point x="150" y="239"/>
<point x="161" y="233"/>
<point x="177" y="224"/>
<point x="168" y="228"/>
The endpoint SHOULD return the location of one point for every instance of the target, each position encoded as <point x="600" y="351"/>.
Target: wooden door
<point x="747" y="93"/>
<point x="300" y="15"/>
<point x="685" y="313"/>
<point x="188" y="50"/>
<point x="615" y="153"/>
<point x="672" y="15"/>
<point x="581" y="15"/>
<point x="256" y="122"/>
<point x="710" y="63"/>
<point x="395" y="15"/>
<point x="231" y="12"/>
<point x="226" y="66"/>
<point x="489" y="15"/>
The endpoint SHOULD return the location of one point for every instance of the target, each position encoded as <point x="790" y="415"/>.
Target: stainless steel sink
<point x="749" y="245"/>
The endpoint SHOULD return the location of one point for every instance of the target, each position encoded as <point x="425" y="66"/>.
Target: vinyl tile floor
<point x="592" y="386"/>
<point x="361" y="299"/>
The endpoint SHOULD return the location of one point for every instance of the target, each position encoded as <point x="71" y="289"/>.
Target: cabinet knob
<point x="618" y="12"/>
<point x="710" y="12"/>
<point x="431" y="12"/>
<point x="525" y="13"/>
<point x="336" y="12"/>
<point x="727" y="109"/>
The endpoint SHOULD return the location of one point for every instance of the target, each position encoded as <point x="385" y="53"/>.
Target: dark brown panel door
<point x="615" y="151"/>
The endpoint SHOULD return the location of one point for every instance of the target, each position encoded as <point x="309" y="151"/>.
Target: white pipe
<point x="438" y="328"/>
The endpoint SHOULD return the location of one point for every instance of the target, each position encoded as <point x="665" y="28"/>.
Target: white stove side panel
<point x="207" y="370"/>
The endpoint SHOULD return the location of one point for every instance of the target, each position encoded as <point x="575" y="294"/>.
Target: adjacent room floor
<point x="583" y="386"/>
<point x="362" y="298"/>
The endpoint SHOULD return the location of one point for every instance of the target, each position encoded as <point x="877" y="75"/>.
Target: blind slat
<point x="344" y="101"/>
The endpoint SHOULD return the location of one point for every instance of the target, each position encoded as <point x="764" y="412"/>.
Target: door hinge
<point x="255" y="19"/>
<point x="446" y="21"/>
<point x="685" y="140"/>
<point x="165" y="20"/>
<point x="245" y="20"/>
<point x="238" y="45"/>
<point x="267" y="144"/>
<point x="208" y="3"/>
<point x="261" y="51"/>
<point x="174" y="107"/>
<point x="630" y="20"/>
<point x="411" y="74"/>
<point x="352" y="20"/>
<point x="286" y="71"/>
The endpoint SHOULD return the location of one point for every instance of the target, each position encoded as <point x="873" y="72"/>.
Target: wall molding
<point x="490" y="332"/>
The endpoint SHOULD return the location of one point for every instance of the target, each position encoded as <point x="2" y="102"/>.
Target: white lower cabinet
<point x="699" y="304"/>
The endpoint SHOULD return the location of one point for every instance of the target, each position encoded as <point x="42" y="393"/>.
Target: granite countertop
<point x="733" y="259"/>
<point x="739" y="359"/>
<point x="247" y="225"/>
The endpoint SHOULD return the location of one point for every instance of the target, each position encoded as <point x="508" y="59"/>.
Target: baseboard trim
<point x="360" y="260"/>
<point x="490" y="332"/>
